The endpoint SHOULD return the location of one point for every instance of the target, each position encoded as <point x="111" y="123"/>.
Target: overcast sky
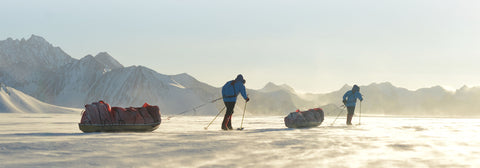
<point x="311" y="45"/>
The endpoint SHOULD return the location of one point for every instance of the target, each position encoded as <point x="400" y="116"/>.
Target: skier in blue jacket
<point x="350" y="100"/>
<point x="229" y="93"/>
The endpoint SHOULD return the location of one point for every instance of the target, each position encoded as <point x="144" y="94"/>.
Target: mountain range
<point x="37" y="68"/>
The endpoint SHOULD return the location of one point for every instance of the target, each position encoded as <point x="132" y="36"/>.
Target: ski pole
<point x="341" y="110"/>
<point x="214" y="118"/>
<point x="244" y="109"/>
<point x="359" y="118"/>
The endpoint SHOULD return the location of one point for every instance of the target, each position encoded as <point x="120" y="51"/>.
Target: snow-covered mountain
<point x="272" y="87"/>
<point x="387" y="99"/>
<point x="14" y="101"/>
<point x="136" y="85"/>
<point x="26" y="63"/>
<point x="54" y="77"/>
<point x="39" y="69"/>
<point x="35" y="52"/>
<point x="108" y="61"/>
<point x="278" y="99"/>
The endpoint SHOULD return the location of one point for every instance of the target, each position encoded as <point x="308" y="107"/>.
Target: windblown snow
<point x="42" y="140"/>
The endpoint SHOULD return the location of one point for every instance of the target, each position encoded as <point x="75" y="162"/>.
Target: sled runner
<point x="119" y="127"/>
<point x="99" y="117"/>
<point x="304" y="119"/>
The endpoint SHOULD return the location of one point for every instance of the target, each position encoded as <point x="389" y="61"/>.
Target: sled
<point x="86" y="128"/>
<point x="304" y="119"/>
<point x="100" y="117"/>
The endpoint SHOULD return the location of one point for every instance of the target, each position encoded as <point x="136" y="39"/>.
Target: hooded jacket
<point x="351" y="96"/>
<point x="231" y="89"/>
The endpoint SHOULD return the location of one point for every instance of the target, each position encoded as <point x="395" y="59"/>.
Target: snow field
<point x="46" y="140"/>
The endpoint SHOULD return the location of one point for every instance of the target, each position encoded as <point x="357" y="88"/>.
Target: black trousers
<point x="351" y="110"/>
<point x="227" y="120"/>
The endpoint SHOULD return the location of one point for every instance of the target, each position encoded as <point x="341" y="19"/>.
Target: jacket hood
<point x="355" y="89"/>
<point x="240" y="78"/>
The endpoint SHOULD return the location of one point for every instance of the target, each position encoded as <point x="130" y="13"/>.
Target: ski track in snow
<point x="54" y="140"/>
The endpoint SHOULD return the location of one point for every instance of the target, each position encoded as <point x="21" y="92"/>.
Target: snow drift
<point x="14" y="101"/>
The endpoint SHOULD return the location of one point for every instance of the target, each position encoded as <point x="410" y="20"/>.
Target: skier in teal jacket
<point x="350" y="100"/>
<point x="229" y="93"/>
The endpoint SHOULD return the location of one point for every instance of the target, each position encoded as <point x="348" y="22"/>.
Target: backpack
<point x="232" y="85"/>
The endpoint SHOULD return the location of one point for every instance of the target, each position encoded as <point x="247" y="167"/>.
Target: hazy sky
<point x="311" y="45"/>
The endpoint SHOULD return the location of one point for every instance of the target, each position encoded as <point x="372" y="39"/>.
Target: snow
<point x="14" y="101"/>
<point x="35" y="51"/>
<point x="108" y="61"/>
<point x="43" y="140"/>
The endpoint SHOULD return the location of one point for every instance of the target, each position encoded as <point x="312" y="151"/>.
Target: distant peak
<point x="183" y="75"/>
<point x="87" y="58"/>
<point x="35" y="38"/>
<point x="103" y="54"/>
<point x="438" y="87"/>
<point x="108" y="60"/>
<point x="385" y="84"/>
<point x="270" y="86"/>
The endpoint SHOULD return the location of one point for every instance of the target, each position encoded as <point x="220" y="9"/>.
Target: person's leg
<point x="232" y="106"/>
<point x="227" y="124"/>
<point x="351" y="111"/>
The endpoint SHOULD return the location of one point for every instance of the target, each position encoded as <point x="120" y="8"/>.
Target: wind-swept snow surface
<point x="40" y="140"/>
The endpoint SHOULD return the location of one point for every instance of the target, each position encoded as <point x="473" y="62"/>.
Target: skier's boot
<point x="229" y="124"/>
<point x="225" y="122"/>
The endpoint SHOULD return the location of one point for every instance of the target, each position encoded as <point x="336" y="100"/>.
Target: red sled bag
<point x="97" y="113"/>
<point x="104" y="113"/>
<point x="90" y="115"/>
<point x="125" y="116"/>
<point x="154" y="111"/>
<point x="101" y="113"/>
<point x="145" y="115"/>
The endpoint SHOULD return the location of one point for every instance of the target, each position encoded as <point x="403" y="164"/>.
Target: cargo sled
<point x="99" y="117"/>
<point x="304" y="119"/>
<point x="118" y="127"/>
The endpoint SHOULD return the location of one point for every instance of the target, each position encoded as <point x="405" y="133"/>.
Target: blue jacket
<point x="351" y="98"/>
<point x="230" y="91"/>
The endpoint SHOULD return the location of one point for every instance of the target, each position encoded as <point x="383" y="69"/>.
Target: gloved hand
<point x="345" y="102"/>
<point x="248" y="99"/>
